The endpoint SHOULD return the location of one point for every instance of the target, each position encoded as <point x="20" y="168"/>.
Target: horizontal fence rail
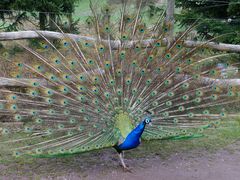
<point x="23" y="82"/>
<point x="20" y="35"/>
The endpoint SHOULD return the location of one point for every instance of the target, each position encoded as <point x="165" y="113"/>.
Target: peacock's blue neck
<point x="140" y="128"/>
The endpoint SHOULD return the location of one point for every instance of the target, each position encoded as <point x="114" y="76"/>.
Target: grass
<point x="214" y="139"/>
<point x="83" y="11"/>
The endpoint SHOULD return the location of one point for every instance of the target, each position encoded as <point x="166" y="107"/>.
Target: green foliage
<point x="46" y="11"/>
<point x="215" y="18"/>
<point x="6" y="11"/>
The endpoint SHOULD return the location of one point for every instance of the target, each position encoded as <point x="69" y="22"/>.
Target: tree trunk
<point x="169" y="22"/>
<point x="52" y="21"/>
<point x="42" y="21"/>
<point x="70" y="21"/>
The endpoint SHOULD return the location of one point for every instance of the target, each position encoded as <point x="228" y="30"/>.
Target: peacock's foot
<point x="127" y="169"/>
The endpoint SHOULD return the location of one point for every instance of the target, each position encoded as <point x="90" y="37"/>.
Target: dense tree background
<point x="46" y="11"/>
<point x="216" y="17"/>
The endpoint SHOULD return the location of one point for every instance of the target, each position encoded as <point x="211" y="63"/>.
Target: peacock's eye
<point x="147" y="121"/>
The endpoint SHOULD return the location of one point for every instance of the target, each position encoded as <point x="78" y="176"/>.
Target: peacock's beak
<point x="150" y="123"/>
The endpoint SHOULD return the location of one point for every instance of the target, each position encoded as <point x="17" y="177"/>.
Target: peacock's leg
<point x="123" y="163"/>
<point x="122" y="160"/>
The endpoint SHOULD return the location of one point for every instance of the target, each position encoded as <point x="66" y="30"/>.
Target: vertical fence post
<point x="169" y="21"/>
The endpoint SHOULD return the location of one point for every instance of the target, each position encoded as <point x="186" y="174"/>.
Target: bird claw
<point x="127" y="169"/>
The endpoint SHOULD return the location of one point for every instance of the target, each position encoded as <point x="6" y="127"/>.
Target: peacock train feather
<point x="89" y="93"/>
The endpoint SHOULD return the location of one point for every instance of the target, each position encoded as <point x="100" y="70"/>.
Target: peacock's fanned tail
<point x="86" y="94"/>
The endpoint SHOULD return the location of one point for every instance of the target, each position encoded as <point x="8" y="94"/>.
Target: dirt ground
<point x="223" y="164"/>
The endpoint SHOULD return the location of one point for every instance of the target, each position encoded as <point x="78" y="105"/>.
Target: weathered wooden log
<point x="5" y="36"/>
<point x="20" y="35"/>
<point x="13" y="82"/>
<point x="213" y="45"/>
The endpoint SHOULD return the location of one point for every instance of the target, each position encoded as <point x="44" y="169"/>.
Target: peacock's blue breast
<point x="129" y="143"/>
<point x="133" y="138"/>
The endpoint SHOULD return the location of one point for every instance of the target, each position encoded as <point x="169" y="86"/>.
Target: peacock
<point x="121" y="80"/>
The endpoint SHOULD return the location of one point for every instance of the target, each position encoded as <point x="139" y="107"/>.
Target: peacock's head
<point x="148" y="120"/>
